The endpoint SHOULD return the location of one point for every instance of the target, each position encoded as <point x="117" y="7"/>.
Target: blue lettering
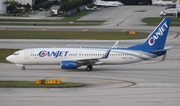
<point x="42" y="53"/>
<point x="48" y="53"/>
<point x="66" y="52"/>
<point x="55" y="54"/>
<point x="60" y="54"/>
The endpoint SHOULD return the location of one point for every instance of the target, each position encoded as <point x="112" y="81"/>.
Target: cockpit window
<point x="16" y="53"/>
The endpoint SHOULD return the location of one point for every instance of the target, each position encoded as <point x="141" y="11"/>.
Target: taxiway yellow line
<point x="85" y="30"/>
<point x="123" y="30"/>
<point x="63" y="78"/>
<point x="2" y="29"/>
<point x="43" y="29"/>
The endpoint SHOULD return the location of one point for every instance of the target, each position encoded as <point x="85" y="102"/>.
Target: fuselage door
<point x="26" y="54"/>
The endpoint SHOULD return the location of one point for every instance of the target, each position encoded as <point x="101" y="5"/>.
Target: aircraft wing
<point x="92" y="61"/>
<point x="86" y="61"/>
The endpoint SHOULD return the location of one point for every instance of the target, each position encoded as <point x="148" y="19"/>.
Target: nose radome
<point x="9" y="58"/>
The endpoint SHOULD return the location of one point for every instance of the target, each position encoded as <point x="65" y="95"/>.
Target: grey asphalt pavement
<point x="148" y="83"/>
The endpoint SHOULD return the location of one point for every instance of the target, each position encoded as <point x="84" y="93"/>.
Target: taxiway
<point x="145" y="83"/>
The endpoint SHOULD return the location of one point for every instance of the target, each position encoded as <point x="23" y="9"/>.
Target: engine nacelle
<point x="69" y="65"/>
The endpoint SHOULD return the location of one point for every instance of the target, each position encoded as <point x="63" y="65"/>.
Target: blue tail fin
<point x="157" y="39"/>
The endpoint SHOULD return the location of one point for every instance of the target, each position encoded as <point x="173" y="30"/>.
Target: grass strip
<point x="54" y="22"/>
<point x="30" y="20"/>
<point x="154" y="21"/>
<point x="31" y="84"/>
<point x="76" y="16"/>
<point x="83" y="23"/>
<point x="90" y="35"/>
<point x="65" y="19"/>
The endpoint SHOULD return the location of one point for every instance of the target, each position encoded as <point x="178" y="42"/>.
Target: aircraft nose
<point x="9" y="58"/>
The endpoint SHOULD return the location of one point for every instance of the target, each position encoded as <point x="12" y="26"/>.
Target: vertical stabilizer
<point x="157" y="39"/>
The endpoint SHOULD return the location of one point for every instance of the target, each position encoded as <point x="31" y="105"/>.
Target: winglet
<point x="107" y="53"/>
<point x="109" y="50"/>
<point x="115" y="45"/>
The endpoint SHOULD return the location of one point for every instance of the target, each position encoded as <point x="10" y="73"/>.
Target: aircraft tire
<point x="89" y="68"/>
<point x="23" y="68"/>
<point x="162" y="15"/>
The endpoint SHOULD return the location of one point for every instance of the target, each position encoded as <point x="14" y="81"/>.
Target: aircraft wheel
<point x="89" y="68"/>
<point x="162" y="15"/>
<point x="23" y="68"/>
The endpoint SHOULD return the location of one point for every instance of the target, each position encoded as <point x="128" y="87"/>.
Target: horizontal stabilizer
<point x="165" y="49"/>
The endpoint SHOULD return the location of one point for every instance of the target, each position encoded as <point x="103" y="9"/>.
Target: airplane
<point x="72" y="58"/>
<point x="163" y="3"/>
<point x="94" y="8"/>
<point x="115" y="3"/>
<point x="108" y="3"/>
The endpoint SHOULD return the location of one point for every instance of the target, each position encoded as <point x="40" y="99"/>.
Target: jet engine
<point x="69" y="65"/>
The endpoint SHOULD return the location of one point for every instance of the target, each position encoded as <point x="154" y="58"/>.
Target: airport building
<point x="2" y="7"/>
<point x="31" y="2"/>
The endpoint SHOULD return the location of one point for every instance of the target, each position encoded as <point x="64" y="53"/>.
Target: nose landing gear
<point x="23" y="68"/>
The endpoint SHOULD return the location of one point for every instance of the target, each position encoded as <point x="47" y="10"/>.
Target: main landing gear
<point x="23" y="68"/>
<point x="89" y="68"/>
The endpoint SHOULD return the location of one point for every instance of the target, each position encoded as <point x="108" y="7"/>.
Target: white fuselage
<point x="54" y="56"/>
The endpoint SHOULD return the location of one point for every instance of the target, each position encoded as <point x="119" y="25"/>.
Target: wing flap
<point x="85" y="61"/>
